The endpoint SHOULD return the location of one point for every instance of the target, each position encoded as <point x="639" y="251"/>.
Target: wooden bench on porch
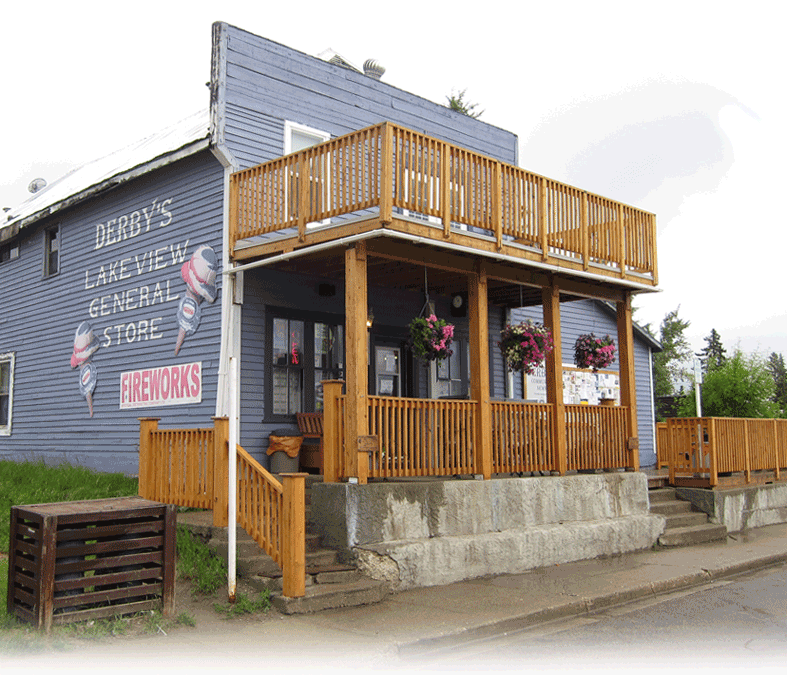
<point x="310" y="425"/>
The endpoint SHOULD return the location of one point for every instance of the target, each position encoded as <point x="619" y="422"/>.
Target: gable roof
<point x="189" y="136"/>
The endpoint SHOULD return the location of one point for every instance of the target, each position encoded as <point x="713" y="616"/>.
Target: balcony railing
<point x="389" y="171"/>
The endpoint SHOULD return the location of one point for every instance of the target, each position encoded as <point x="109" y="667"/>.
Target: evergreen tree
<point x="778" y="371"/>
<point x="713" y="355"/>
<point x="670" y="365"/>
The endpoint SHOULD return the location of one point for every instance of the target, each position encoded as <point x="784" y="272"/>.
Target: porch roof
<point x="397" y="259"/>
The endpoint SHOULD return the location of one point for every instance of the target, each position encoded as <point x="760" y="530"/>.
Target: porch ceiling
<point x="399" y="264"/>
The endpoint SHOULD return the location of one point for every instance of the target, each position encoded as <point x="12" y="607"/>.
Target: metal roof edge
<point x="157" y="162"/>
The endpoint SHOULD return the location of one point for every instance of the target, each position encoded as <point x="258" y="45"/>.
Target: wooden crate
<point x="75" y="561"/>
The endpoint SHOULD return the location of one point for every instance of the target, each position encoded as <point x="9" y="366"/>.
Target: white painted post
<point x="232" y="488"/>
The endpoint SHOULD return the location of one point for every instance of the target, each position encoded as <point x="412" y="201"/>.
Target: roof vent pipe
<point x="373" y="69"/>
<point x="36" y="185"/>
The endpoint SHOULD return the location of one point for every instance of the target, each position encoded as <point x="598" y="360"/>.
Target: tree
<point x="779" y="374"/>
<point x="457" y="102"/>
<point x="741" y="387"/>
<point x="670" y="365"/>
<point x="713" y="354"/>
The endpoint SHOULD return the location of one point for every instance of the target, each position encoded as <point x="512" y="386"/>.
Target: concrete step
<point x="661" y="495"/>
<point x="695" y="534"/>
<point x="331" y="596"/>
<point x="669" y="507"/>
<point x="685" y="519"/>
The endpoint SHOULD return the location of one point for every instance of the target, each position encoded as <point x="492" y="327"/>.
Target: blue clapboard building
<point x="113" y="303"/>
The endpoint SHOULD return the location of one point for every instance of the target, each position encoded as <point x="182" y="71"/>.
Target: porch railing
<point x="428" y="437"/>
<point x="387" y="169"/>
<point x="597" y="437"/>
<point x="188" y="467"/>
<point x="421" y="437"/>
<point x="522" y="437"/>
<point x="707" y="447"/>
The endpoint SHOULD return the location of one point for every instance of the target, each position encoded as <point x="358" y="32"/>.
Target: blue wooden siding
<point x="587" y="316"/>
<point x="40" y="316"/>
<point x="268" y="83"/>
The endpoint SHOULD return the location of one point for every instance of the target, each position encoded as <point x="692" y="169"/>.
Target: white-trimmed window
<point x="298" y="137"/>
<point x="6" y="392"/>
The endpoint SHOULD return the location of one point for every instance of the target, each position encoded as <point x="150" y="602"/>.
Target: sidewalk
<point x="419" y="621"/>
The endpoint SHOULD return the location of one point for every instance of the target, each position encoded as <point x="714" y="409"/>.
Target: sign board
<point x="163" y="386"/>
<point x="579" y="386"/>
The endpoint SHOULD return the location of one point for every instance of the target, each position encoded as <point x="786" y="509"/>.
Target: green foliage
<point x="713" y="354"/>
<point x="199" y="564"/>
<point x="37" y="483"/>
<point x="741" y="387"/>
<point x="670" y="366"/>
<point x="456" y="101"/>
<point x="244" y="605"/>
<point x="778" y="372"/>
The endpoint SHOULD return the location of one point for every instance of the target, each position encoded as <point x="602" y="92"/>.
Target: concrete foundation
<point x="427" y="533"/>
<point x="741" y="508"/>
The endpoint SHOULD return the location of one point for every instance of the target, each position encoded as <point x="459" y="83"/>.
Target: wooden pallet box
<point x="76" y="561"/>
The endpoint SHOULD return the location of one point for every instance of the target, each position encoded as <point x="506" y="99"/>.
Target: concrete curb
<point x="584" y="606"/>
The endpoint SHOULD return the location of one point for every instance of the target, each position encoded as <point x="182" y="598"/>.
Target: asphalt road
<point x="729" y="625"/>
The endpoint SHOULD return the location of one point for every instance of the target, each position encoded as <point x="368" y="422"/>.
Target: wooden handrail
<point x="389" y="167"/>
<point x="188" y="467"/>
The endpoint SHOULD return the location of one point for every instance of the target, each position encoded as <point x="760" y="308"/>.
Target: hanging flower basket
<point x="431" y="338"/>
<point x="593" y="352"/>
<point x="525" y="345"/>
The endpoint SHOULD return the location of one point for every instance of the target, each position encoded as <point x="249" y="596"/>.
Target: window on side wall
<point x="301" y="355"/>
<point x="9" y="252"/>
<point x="51" y="251"/>
<point x="6" y="392"/>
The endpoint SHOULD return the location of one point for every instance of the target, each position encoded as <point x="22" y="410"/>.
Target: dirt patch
<point x="189" y="609"/>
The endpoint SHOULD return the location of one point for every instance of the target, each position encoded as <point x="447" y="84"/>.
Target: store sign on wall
<point x="167" y="385"/>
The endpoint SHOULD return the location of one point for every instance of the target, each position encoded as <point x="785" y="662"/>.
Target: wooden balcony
<point x="390" y="177"/>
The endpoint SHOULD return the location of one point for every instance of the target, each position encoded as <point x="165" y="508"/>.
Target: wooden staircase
<point x="685" y="526"/>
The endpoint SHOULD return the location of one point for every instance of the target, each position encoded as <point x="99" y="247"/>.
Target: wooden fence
<point x="723" y="451"/>
<point x="390" y="168"/>
<point x="189" y="467"/>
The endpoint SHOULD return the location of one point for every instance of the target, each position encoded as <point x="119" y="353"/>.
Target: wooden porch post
<point x="331" y="447"/>
<point x="147" y="425"/>
<point x="479" y="369"/>
<point x="550" y="297"/>
<point x="357" y="347"/>
<point x="628" y="390"/>
<point x="293" y="535"/>
<point x="221" y="434"/>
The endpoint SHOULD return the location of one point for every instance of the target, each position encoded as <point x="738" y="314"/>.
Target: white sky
<point x="673" y="107"/>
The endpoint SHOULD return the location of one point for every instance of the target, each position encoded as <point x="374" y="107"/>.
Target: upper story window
<point x="298" y="137"/>
<point x="51" y="251"/>
<point x="6" y="392"/>
<point x="9" y="251"/>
